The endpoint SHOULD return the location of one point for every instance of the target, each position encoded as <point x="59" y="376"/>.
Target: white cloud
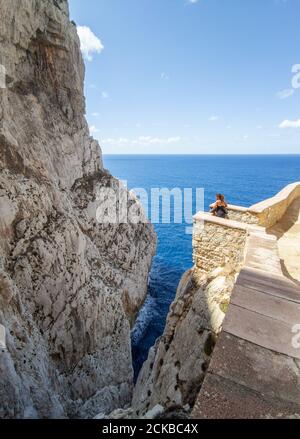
<point x="142" y="140"/>
<point x="104" y="95"/>
<point x="147" y="140"/>
<point x="94" y="130"/>
<point x="117" y="141"/>
<point x="193" y="1"/>
<point x="290" y="124"/>
<point x="213" y="118"/>
<point x="89" y="42"/>
<point x="95" y="114"/>
<point x="286" y="93"/>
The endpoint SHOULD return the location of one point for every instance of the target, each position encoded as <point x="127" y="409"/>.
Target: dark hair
<point x="219" y="196"/>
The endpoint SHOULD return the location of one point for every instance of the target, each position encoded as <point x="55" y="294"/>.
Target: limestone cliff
<point x="69" y="286"/>
<point x="174" y="371"/>
<point x="171" y="377"/>
<point x="176" y="366"/>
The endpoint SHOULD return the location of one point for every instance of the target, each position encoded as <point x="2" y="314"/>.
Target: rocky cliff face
<point x="175" y="369"/>
<point x="170" y="379"/>
<point x="69" y="286"/>
<point x="176" y="366"/>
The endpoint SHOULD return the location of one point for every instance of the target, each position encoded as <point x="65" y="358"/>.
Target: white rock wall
<point x="69" y="287"/>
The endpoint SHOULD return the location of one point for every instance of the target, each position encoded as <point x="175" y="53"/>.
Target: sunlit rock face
<point x="176" y="366"/>
<point x="175" y="369"/>
<point x="69" y="285"/>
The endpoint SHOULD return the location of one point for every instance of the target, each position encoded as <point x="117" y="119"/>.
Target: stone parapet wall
<point x="218" y="242"/>
<point x="243" y="215"/>
<point x="272" y="210"/>
<point x="267" y="212"/>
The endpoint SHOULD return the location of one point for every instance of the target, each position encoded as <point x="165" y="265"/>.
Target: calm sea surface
<point x="244" y="180"/>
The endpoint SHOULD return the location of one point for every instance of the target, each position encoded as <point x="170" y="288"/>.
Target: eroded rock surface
<point x="176" y="365"/>
<point x="69" y="286"/>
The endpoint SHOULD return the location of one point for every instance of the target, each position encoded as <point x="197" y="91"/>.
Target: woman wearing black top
<point x="219" y="208"/>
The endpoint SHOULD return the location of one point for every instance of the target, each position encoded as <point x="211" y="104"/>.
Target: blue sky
<point x="198" y="77"/>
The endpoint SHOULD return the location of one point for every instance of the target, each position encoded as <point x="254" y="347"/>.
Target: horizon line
<point x="205" y="154"/>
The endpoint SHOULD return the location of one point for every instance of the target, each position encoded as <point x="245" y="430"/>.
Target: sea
<point x="244" y="179"/>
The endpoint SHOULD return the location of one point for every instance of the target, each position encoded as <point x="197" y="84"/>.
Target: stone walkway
<point x="287" y="232"/>
<point x="255" y="367"/>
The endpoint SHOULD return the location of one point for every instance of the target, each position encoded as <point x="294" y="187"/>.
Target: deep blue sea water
<point x="244" y="180"/>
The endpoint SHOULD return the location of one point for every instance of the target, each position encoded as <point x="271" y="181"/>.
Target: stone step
<point x="223" y="399"/>
<point x="266" y="304"/>
<point x="269" y="265"/>
<point x="262" y="370"/>
<point x="262" y="330"/>
<point x="269" y="283"/>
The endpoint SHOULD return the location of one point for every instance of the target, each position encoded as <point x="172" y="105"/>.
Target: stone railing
<point x="272" y="210"/>
<point x="218" y="242"/>
<point x="267" y="212"/>
<point x="242" y="214"/>
<point x="244" y="379"/>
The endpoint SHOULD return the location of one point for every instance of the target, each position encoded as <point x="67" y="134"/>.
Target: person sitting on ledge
<point x="219" y="208"/>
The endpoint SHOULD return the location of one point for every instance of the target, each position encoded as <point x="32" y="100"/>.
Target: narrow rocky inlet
<point x="70" y="286"/>
<point x="76" y="247"/>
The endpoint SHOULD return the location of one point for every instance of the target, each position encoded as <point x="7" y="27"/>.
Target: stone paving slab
<point x="269" y="373"/>
<point x="223" y="399"/>
<point x="280" y="279"/>
<point x="268" y="283"/>
<point x="260" y="242"/>
<point x="261" y="330"/>
<point x="262" y="254"/>
<point x="269" y="265"/>
<point x="266" y="304"/>
<point x="259" y="266"/>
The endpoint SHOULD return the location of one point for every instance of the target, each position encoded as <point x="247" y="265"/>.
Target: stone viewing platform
<point x="255" y="366"/>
